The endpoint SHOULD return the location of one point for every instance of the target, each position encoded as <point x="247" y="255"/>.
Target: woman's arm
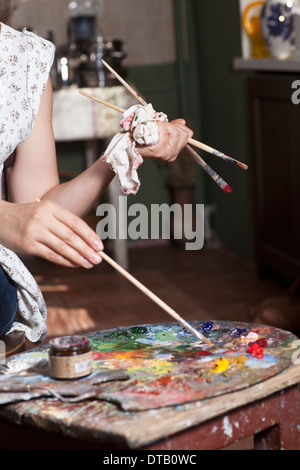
<point x="44" y="229"/>
<point x="52" y="229"/>
<point x="34" y="172"/>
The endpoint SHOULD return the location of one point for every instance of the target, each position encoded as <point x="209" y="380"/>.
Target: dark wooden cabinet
<point x="276" y="139"/>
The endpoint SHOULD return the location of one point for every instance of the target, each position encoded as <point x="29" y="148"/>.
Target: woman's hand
<point x="173" y="137"/>
<point x="47" y="230"/>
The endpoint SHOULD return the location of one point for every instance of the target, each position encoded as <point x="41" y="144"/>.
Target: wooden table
<point x="269" y="411"/>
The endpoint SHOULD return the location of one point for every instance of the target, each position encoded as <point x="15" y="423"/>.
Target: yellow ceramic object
<point x="251" y="21"/>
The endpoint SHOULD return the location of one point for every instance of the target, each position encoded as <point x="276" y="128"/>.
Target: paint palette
<point x="168" y="366"/>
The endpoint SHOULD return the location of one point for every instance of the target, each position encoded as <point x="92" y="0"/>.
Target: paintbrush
<point x="217" y="153"/>
<point x="194" y="142"/>
<point x="220" y="182"/>
<point x="154" y="297"/>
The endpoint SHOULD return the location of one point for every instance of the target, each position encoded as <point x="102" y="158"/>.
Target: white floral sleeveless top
<point x="25" y="63"/>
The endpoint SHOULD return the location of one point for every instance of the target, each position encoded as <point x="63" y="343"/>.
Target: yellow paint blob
<point x="221" y="365"/>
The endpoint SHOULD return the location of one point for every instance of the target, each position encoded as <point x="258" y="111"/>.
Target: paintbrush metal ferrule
<point x="217" y="153"/>
<point x="217" y="179"/>
<point x="221" y="155"/>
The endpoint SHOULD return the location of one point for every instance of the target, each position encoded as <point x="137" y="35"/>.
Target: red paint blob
<point x="262" y="342"/>
<point x="256" y="350"/>
<point x="202" y="353"/>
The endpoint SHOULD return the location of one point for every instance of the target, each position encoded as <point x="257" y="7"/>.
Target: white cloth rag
<point x="139" y="125"/>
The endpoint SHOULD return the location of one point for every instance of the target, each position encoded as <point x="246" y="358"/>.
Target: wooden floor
<point x="209" y="284"/>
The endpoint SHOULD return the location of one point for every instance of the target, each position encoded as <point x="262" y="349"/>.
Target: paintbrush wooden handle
<point x="153" y="297"/>
<point x="193" y="142"/>
<point x="125" y="84"/>
<point x="105" y="103"/>
<point x="201" y="146"/>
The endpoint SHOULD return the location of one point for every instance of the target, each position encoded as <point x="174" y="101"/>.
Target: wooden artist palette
<point x="167" y="366"/>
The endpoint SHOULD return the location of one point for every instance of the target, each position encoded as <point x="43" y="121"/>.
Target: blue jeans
<point x="8" y="302"/>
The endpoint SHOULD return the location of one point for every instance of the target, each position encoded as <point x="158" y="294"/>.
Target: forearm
<point x="80" y="194"/>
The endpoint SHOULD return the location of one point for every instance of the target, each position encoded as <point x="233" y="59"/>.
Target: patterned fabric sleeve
<point x="40" y="54"/>
<point x="29" y="56"/>
<point x="31" y="315"/>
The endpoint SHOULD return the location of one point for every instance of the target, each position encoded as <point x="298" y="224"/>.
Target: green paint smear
<point x="139" y="330"/>
<point x="166" y="336"/>
<point x="114" y="346"/>
<point x="128" y="335"/>
<point x="99" y="345"/>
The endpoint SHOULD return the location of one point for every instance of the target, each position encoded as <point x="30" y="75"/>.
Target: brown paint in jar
<point x="70" y="357"/>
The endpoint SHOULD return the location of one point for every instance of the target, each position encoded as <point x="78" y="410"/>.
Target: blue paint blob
<point x="207" y="326"/>
<point x="238" y="332"/>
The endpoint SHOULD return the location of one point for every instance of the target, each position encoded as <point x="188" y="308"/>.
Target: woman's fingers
<point x="183" y="135"/>
<point x="56" y="250"/>
<point x="58" y="235"/>
<point x="78" y="235"/>
<point x="173" y="137"/>
<point x="47" y="253"/>
<point x="71" y="238"/>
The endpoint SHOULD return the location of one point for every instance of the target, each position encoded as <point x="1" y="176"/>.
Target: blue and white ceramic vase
<point x="277" y="25"/>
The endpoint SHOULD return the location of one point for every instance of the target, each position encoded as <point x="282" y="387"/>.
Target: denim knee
<point x="8" y="302"/>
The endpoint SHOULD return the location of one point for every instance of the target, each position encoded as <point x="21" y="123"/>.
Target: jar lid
<point x="69" y="343"/>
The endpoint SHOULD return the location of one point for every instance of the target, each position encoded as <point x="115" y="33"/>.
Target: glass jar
<point x="70" y="357"/>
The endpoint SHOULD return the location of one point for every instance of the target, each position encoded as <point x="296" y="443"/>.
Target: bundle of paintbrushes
<point x="220" y="182"/>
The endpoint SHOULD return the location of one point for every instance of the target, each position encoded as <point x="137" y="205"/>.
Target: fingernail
<point x="88" y="264"/>
<point x="98" y="245"/>
<point x="95" y="258"/>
